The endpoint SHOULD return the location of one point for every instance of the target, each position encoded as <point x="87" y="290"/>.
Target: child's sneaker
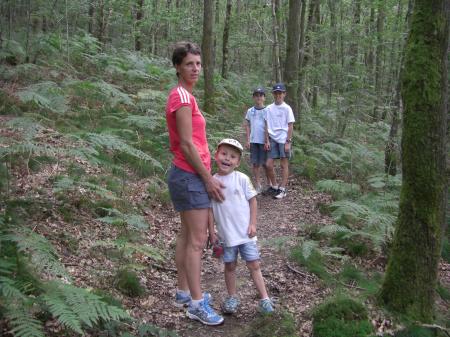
<point x="270" y="191"/>
<point x="230" y="305"/>
<point x="280" y="194"/>
<point x="182" y="300"/>
<point x="204" y="313"/>
<point x="266" y="306"/>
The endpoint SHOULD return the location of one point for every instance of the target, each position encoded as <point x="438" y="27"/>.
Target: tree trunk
<point x="332" y="50"/>
<point x="412" y="271"/>
<point x="301" y="48"/>
<point x="208" y="55"/>
<point x="378" y="61"/>
<point x="91" y="20"/>
<point x="226" y="33"/>
<point x="139" y="17"/>
<point x="276" y="43"/>
<point x="292" y="54"/>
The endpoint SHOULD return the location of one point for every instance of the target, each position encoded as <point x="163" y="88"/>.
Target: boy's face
<point x="278" y="97"/>
<point x="227" y="159"/>
<point x="259" y="99"/>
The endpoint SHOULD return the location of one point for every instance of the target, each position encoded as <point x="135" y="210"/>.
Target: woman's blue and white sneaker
<point x="182" y="300"/>
<point x="204" y="313"/>
<point x="230" y="305"/>
<point x="266" y="306"/>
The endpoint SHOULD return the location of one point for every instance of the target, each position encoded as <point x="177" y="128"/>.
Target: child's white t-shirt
<point x="278" y="118"/>
<point x="232" y="216"/>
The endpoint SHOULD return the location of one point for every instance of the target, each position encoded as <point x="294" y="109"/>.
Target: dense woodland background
<point x="82" y="93"/>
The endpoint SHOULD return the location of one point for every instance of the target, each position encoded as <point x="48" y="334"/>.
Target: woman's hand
<point x="214" y="189"/>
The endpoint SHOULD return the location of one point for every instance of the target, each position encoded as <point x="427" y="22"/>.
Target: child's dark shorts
<point x="187" y="190"/>
<point x="258" y="156"/>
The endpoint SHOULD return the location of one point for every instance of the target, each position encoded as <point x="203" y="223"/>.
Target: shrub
<point x="341" y="317"/>
<point x="128" y="283"/>
<point x="275" y="325"/>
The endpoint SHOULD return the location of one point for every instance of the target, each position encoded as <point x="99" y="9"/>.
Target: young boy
<point x="279" y="126"/>
<point x="236" y="223"/>
<point x="255" y="128"/>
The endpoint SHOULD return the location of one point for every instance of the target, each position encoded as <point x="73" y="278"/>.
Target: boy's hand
<point x="212" y="238"/>
<point x="251" y="230"/>
<point x="267" y="146"/>
<point x="247" y="145"/>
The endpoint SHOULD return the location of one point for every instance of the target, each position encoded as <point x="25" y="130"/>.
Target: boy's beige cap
<point x="233" y="143"/>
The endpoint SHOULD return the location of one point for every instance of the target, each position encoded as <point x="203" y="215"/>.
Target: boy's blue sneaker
<point x="182" y="300"/>
<point x="266" y="306"/>
<point x="204" y="313"/>
<point x="230" y="305"/>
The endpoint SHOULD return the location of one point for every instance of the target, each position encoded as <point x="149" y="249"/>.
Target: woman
<point x="191" y="184"/>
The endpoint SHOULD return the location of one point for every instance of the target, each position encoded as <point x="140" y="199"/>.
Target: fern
<point x="75" y="307"/>
<point x="337" y="188"/>
<point x="23" y="323"/>
<point x="347" y="208"/>
<point x="65" y="184"/>
<point x="42" y="254"/>
<point x="335" y="229"/>
<point x="47" y="95"/>
<point x="114" y="143"/>
<point x="116" y="217"/>
<point x="144" y="122"/>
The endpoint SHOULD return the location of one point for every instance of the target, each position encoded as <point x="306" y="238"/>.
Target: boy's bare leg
<point x="284" y="162"/>
<point x="230" y="277"/>
<point x="256" y="175"/>
<point x="271" y="172"/>
<point x="255" y="271"/>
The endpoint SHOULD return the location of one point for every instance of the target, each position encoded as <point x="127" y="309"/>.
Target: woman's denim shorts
<point x="187" y="190"/>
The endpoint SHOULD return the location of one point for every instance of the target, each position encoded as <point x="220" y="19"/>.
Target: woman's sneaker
<point x="281" y="193"/>
<point x="204" y="313"/>
<point x="230" y="305"/>
<point x="182" y="300"/>
<point x="266" y="306"/>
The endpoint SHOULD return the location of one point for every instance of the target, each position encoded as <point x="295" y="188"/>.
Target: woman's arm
<point x="184" y="128"/>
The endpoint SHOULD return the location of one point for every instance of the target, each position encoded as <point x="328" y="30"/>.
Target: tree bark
<point x="292" y="54"/>
<point x="276" y="43"/>
<point x="91" y="20"/>
<point x="139" y="17"/>
<point x="412" y="271"/>
<point x="378" y="61"/>
<point x="226" y="33"/>
<point x="208" y="55"/>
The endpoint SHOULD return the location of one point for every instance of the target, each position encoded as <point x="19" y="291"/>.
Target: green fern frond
<point x="308" y="248"/>
<point x="27" y="126"/>
<point x="74" y="307"/>
<point x="144" y="122"/>
<point x="347" y="208"/>
<point x="116" y="217"/>
<point x="113" y="94"/>
<point x="114" y="143"/>
<point x="42" y="254"/>
<point x="337" y="188"/>
<point x="9" y="290"/>
<point x="65" y="184"/>
<point x="334" y="229"/>
<point x="23" y="323"/>
<point x="47" y="95"/>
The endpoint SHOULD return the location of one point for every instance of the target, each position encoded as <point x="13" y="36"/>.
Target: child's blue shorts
<point x="187" y="190"/>
<point x="277" y="150"/>
<point x="258" y="155"/>
<point x="249" y="252"/>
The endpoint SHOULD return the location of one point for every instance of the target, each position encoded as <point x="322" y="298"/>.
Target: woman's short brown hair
<point x="182" y="49"/>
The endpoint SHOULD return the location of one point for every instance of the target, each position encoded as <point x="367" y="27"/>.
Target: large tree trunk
<point x="208" y="55"/>
<point x="412" y="271"/>
<point x="292" y="54"/>
<point x="226" y="34"/>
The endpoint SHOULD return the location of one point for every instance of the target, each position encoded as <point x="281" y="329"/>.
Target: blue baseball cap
<point x="259" y="90"/>
<point x="279" y="87"/>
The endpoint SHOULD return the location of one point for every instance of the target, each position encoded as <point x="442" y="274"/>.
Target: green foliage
<point x="117" y="218"/>
<point x="127" y="282"/>
<point x="278" y="324"/>
<point x="337" y="188"/>
<point x="12" y="52"/>
<point x="47" y="95"/>
<point x="446" y="249"/>
<point x="341" y="317"/>
<point x="147" y="330"/>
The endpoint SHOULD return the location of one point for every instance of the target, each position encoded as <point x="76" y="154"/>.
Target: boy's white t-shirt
<point x="232" y="216"/>
<point x="278" y="118"/>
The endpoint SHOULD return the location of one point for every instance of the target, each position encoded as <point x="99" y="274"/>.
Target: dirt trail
<point x="296" y="291"/>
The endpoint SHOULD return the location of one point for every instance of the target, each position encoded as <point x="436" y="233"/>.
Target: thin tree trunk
<point x="91" y="21"/>
<point x="276" y="44"/>
<point x="208" y="55"/>
<point x="226" y="32"/>
<point x="378" y="61"/>
<point x="301" y="48"/>
<point x="412" y="271"/>
<point x="27" y="43"/>
<point x="139" y="17"/>
<point x="292" y="54"/>
<point x="332" y="50"/>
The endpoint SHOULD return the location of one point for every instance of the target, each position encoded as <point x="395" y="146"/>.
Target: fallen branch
<point x="157" y="266"/>
<point x="438" y="327"/>
<point x="297" y="271"/>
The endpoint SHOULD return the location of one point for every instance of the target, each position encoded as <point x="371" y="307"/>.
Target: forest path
<point x="296" y="290"/>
